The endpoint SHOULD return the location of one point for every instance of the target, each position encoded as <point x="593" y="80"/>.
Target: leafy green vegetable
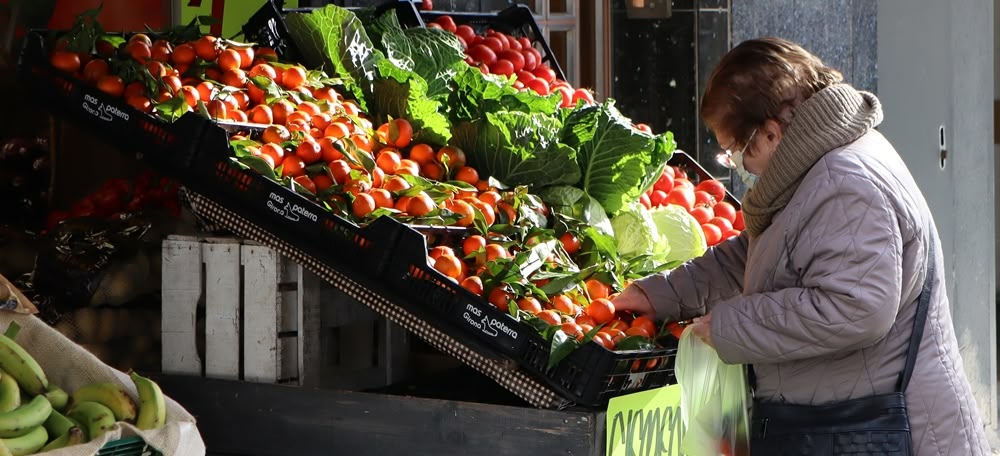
<point x="576" y="204"/>
<point x="434" y="54"/>
<point x="617" y="161"/>
<point x="475" y="94"/>
<point x="334" y="39"/>
<point x="518" y="148"/>
<point x="402" y="93"/>
<point x="636" y="234"/>
<point x="682" y="232"/>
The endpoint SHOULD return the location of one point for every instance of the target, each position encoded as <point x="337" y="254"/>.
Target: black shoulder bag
<point x="873" y="425"/>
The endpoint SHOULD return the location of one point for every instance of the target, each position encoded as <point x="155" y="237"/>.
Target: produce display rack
<point x="395" y="254"/>
<point x="370" y="291"/>
<point x="372" y="263"/>
<point x="166" y="146"/>
<point x="516" y="20"/>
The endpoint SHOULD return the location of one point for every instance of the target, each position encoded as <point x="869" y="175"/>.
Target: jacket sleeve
<point x="686" y="291"/>
<point x="847" y="254"/>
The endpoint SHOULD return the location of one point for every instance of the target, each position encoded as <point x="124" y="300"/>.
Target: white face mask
<point x="734" y="160"/>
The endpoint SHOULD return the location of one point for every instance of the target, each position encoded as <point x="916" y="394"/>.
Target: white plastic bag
<point x="714" y="401"/>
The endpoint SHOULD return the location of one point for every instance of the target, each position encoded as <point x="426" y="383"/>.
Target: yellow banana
<point x="23" y="419"/>
<point x="73" y="436"/>
<point x="28" y="443"/>
<point x="58" y="424"/>
<point x="56" y="396"/>
<point x="19" y="364"/>
<point x="109" y="395"/>
<point x="152" y="403"/>
<point x="93" y="417"/>
<point x="10" y="393"/>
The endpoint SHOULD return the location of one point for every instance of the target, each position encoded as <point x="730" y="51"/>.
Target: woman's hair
<point x="762" y="79"/>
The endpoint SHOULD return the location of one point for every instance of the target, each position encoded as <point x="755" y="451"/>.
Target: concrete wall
<point x="843" y="33"/>
<point x="936" y="71"/>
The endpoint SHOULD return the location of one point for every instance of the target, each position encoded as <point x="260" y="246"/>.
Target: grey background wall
<point x="843" y="33"/>
<point x="936" y="71"/>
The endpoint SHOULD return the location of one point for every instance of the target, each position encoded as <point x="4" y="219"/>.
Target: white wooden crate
<point x="266" y="319"/>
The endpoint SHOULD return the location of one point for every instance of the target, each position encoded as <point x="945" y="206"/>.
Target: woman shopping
<point x="824" y="293"/>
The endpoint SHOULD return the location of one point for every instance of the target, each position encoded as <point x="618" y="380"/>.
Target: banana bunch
<point x="37" y="416"/>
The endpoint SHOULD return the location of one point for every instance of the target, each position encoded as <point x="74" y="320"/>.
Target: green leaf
<point x="172" y="109"/>
<point x="576" y="204"/>
<point x="617" y="161"/>
<point x="271" y="90"/>
<point x="433" y="54"/>
<point x="518" y="148"/>
<point x="257" y="164"/>
<point x="334" y="39"/>
<point x="474" y="94"/>
<point x="562" y="345"/>
<point x="401" y="93"/>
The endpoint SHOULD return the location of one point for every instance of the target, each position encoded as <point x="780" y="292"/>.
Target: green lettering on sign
<point x="646" y="423"/>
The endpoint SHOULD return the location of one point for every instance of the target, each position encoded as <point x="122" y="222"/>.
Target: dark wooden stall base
<point x="254" y="419"/>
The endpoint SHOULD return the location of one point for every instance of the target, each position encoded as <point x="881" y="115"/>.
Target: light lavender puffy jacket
<point x="822" y="302"/>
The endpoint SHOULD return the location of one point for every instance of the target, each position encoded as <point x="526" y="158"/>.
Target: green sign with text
<point x="647" y="423"/>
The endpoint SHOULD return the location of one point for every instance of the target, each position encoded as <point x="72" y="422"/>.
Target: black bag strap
<point x="923" y="304"/>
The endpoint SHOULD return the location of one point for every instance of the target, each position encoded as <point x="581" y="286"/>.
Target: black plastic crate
<point x="589" y="376"/>
<point x="286" y="213"/>
<point x="267" y="26"/>
<point x="516" y="20"/>
<point x="168" y="147"/>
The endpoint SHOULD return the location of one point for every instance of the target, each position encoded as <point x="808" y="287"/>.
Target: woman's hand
<point x="634" y="300"/>
<point x="701" y="328"/>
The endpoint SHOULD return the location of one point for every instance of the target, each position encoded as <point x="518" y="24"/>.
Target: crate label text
<point x="104" y="112"/>
<point x="489" y="326"/>
<point x="277" y="204"/>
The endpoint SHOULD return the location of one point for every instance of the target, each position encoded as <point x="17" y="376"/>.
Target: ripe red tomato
<point x="538" y="85"/>
<point x="713" y="235"/>
<point x="427" y="5"/>
<point x="645" y="201"/>
<point x="683" y="182"/>
<point x="530" y="61"/>
<point x="702" y="198"/>
<point x="493" y="43"/>
<point x="567" y="96"/>
<point x="666" y="181"/>
<point x="738" y="221"/>
<point x="657" y="198"/>
<point x="723" y="224"/>
<point x="482" y="53"/>
<point x="544" y="72"/>
<point x="583" y="94"/>
<point x="712" y="187"/>
<point x="514" y="57"/>
<point x="465" y="32"/>
<point x="503" y="67"/>
<point x="683" y="197"/>
<point x="702" y="214"/>
<point x="447" y="23"/>
<point x="725" y="210"/>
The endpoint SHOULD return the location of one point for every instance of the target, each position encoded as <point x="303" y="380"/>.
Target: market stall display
<point x="477" y="201"/>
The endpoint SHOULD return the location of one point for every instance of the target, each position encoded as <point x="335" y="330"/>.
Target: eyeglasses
<point x="726" y="156"/>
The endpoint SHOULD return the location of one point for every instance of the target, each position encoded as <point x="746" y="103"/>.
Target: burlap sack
<point x="69" y="366"/>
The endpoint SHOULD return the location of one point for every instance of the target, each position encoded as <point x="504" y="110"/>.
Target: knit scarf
<point x="830" y="118"/>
